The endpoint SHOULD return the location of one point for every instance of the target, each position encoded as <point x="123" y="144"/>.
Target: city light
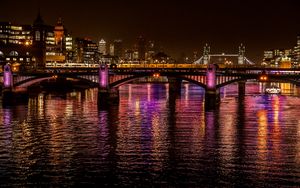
<point x="263" y="78"/>
<point x="156" y="75"/>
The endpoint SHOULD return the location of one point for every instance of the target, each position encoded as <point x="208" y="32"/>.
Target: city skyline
<point x="181" y="27"/>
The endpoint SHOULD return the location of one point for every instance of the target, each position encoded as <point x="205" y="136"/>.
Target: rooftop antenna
<point x="39" y="7"/>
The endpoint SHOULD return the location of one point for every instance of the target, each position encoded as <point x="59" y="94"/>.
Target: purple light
<point x="103" y="76"/>
<point x="211" y="77"/>
<point x="7" y="77"/>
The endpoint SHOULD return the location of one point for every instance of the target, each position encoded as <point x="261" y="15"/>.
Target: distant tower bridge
<point x="240" y="56"/>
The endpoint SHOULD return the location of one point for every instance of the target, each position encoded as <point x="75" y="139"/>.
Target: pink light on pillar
<point x="103" y="76"/>
<point x="211" y="77"/>
<point x="7" y="77"/>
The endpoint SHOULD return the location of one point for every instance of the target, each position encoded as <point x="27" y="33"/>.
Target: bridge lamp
<point x="263" y="78"/>
<point x="156" y="75"/>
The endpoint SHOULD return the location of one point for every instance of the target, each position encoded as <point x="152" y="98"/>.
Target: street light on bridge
<point x="263" y="77"/>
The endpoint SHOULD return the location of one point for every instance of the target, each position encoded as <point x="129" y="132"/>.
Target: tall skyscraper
<point x="141" y="47"/>
<point x="86" y="51"/>
<point x="111" y="49"/>
<point x="102" y="47"/>
<point x="296" y="52"/>
<point x="118" y="48"/>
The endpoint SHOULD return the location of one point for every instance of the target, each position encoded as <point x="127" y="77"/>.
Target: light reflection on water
<point x="153" y="138"/>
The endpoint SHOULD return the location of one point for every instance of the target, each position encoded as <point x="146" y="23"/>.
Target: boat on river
<point x="273" y="90"/>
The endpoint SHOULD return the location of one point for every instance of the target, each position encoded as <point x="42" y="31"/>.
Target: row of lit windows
<point x="3" y="36"/>
<point x="20" y="59"/>
<point x="6" y="26"/>
<point x="4" y="31"/>
<point x="91" y="53"/>
<point x="18" y="28"/>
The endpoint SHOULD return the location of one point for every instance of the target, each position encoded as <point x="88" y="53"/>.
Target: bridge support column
<point x="7" y="90"/>
<point x="212" y="94"/>
<point x="106" y="95"/>
<point x="174" y="87"/>
<point x="242" y="88"/>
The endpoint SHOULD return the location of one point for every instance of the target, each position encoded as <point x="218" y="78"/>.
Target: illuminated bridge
<point x="108" y="80"/>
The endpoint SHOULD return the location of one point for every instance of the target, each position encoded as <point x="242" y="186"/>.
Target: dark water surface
<point x="152" y="139"/>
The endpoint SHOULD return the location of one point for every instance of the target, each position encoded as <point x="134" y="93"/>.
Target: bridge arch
<point x="132" y="78"/>
<point x="29" y="81"/>
<point x="282" y="80"/>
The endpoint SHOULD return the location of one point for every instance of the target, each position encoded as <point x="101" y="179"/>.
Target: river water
<point x="152" y="139"/>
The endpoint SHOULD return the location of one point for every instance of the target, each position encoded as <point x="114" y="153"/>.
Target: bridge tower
<point x="212" y="94"/>
<point x="106" y="94"/>
<point x="241" y="54"/>
<point x="206" y="52"/>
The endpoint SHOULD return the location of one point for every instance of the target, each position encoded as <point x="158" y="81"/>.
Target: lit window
<point x="13" y="53"/>
<point x="37" y="36"/>
<point x="21" y="59"/>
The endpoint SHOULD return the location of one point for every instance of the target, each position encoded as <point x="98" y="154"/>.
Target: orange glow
<point x="263" y="78"/>
<point x="27" y="43"/>
<point x="262" y="133"/>
<point x="156" y="75"/>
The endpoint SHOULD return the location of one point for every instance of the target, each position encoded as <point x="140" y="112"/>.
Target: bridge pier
<point x="106" y="95"/>
<point x="9" y="95"/>
<point x="7" y="90"/>
<point x="174" y="87"/>
<point x="212" y="93"/>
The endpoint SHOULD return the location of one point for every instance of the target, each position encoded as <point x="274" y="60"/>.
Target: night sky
<point x="181" y="26"/>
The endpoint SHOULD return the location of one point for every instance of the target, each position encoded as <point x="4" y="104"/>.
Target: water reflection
<point x="154" y="138"/>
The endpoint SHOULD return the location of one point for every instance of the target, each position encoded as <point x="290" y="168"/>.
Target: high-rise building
<point x="16" y="45"/>
<point x="296" y="52"/>
<point x="277" y="57"/>
<point x="86" y="51"/>
<point x="151" y="51"/>
<point x="15" y="34"/>
<point x="43" y="43"/>
<point x="102" y="47"/>
<point x="111" y="49"/>
<point x="118" y="48"/>
<point x="141" y="47"/>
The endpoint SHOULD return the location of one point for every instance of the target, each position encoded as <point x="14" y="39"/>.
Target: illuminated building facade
<point x="102" y="47"/>
<point x="41" y="43"/>
<point x="15" y="34"/>
<point x="296" y="52"/>
<point x="15" y="45"/>
<point x="86" y="51"/>
<point x="278" y="58"/>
